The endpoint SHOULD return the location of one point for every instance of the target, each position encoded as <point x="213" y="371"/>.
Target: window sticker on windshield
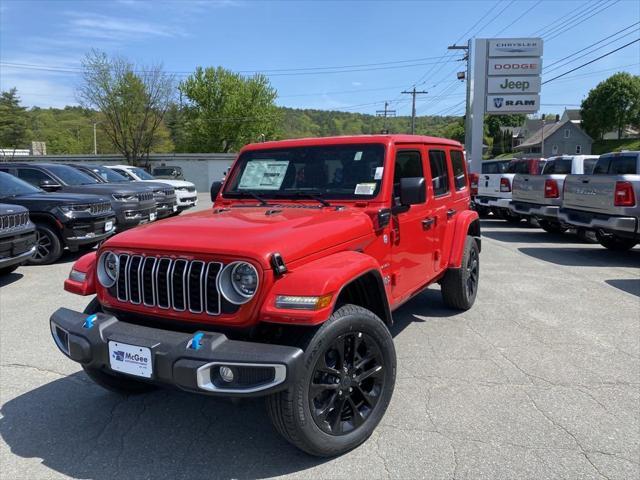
<point x="357" y="157"/>
<point x="263" y="175"/>
<point x="365" y="188"/>
<point x="378" y="174"/>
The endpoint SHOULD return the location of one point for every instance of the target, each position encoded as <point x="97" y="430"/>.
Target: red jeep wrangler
<point x="286" y="287"/>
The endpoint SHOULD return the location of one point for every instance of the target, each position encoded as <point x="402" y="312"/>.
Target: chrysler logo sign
<point x="515" y="47"/>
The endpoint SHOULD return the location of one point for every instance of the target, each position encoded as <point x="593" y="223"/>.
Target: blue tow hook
<point x="89" y="321"/>
<point x="196" y="342"/>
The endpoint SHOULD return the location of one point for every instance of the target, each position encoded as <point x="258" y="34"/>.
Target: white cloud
<point x="104" y="26"/>
<point x="39" y="91"/>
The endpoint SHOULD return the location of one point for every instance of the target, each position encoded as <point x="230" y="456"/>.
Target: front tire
<point x="615" y="243"/>
<point x="343" y="388"/>
<point x="459" y="286"/>
<point x="112" y="381"/>
<point x="48" y="246"/>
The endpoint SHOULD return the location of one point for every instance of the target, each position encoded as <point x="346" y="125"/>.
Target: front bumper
<point x="535" y="210"/>
<point x="132" y="217"/>
<point x="599" y="221"/>
<point x="166" y="209"/>
<point x="18" y="259"/>
<point x="261" y="369"/>
<point x="493" y="202"/>
<point x="186" y="199"/>
<point x="88" y="231"/>
<point x="17" y="248"/>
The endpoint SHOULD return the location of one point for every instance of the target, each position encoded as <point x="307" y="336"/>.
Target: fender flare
<point x="467" y="223"/>
<point x="87" y="265"/>
<point x="325" y="276"/>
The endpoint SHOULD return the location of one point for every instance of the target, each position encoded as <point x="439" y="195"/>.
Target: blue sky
<point x="42" y="44"/>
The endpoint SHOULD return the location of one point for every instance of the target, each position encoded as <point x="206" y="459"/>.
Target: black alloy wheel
<point x="48" y="246"/>
<point x="473" y="272"/>
<point x="347" y="382"/>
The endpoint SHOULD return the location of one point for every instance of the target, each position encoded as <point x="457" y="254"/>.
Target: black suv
<point x="17" y="237"/>
<point x="164" y="195"/>
<point x="61" y="219"/>
<point x="132" y="204"/>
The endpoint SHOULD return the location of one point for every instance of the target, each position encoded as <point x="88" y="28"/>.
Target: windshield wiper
<point x="313" y="196"/>
<point x="257" y="197"/>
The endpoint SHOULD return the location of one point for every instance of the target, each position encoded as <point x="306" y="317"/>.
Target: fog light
<point x="226" y="374"/>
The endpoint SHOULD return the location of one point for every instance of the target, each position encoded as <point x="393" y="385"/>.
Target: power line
<point x="591" y="61"/>
<point x="551" y="26"/>
<point x="413" y="94"/>
<point x="574" y="23"/>
<point x="594" y="43"/>
<point x="519" y="17"/>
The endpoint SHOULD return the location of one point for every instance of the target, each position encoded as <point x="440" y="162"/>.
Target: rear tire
<point x="112" y="381"/>
<point x="317" y="413"/>
<point x="459" y="286"/>
<point x="615" y="243"/>
<point x="48" y="246"/>
<point x="551" y="226"/>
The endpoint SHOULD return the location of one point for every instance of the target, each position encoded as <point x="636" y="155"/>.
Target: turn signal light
<point x="624" y="195"/>
<point x="551" y="189"/>
<point x="297" y="302"/>
<point x="505" y="185"/>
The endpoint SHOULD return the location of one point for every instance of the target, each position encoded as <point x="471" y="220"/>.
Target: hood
<point x="31" y="200"/>
<point x="107" y="188"/>
<point x="173" y="183"/>
<point x="6" y="209"/>
<point x="250" y="232"/>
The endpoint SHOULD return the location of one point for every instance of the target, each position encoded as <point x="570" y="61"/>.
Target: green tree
<point x="226" y="110"/>
<point x="131" y="102"/>
<point x="612" y="105"/>
<point x="13" y="121"/>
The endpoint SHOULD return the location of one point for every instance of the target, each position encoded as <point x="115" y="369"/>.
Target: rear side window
<point x="558" y="166"/>
<point x="602" y="166"/>
<point x="459" y="176"/>
<point x="624" y="165"/>
<point x="518" y="167"/>
<point x="494" y="167"/>
<point x="439" y="172"/>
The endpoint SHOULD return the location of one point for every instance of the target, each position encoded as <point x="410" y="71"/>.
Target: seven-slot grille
<point x="14" y="220"/>
<point x="143" y="197"/>
<point x="103" y="207"/>
<point x="163" y="282"/>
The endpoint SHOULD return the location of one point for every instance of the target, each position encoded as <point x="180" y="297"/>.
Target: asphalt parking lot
<point x="540" y="379"/>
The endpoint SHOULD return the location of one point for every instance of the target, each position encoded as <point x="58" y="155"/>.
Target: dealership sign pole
<point x="506" y="80"/>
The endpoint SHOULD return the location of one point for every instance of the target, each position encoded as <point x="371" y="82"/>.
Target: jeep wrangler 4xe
<point x="286" y="287"/>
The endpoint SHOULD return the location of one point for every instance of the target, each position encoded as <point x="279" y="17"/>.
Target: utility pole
<point x="467" y="77"/>
<point x="95" y="143"/>
<point x="413" y="94"/>
<point x="385" y="113"/>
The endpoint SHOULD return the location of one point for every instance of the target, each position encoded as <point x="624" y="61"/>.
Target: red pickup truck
<point x="286" y="287"/>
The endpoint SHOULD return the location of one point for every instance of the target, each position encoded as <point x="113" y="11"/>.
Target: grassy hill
<point x="604" y="146"/>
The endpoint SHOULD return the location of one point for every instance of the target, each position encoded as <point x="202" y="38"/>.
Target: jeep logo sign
<point x="514" y="66"/>
<point x="513" y="103"/>
<point x="513" y="85"/>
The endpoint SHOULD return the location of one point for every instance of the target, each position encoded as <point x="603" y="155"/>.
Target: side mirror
<point x="215" y="189"/>
<point x="412" y="191"/>
<point x="49" y="185"/>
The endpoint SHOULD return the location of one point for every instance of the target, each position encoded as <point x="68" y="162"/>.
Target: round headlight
<point x="238" y="282"/>
<point x="108" y="266"/>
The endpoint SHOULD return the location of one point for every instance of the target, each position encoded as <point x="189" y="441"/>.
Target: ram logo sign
<point x="513" y="103"/>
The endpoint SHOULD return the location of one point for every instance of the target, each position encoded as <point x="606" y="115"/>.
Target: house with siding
<point x="562" y="137"/>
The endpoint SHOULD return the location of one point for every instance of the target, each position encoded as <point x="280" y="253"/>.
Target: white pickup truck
<point x="606" y="202"/>
<point x="540" y="196"/>
<point x="494" y="189"/>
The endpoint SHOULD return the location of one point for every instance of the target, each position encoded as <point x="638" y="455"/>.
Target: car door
<point x="440" y="208"/>
<point x="411" y="255"/>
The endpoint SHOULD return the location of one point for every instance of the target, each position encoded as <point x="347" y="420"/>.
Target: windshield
<point x="336" y="171"/>
<point x="71" y="176"/>
<point x="495" y="167"/>
<point x="142" y="174"/>
<point x="108" y="175"/>
<point x="168" y="171"/>
<point x="11" y="186"/>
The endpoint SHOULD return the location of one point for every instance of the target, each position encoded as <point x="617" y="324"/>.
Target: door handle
<point x="427" y="223"/>
<point x="451" y="212"/>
